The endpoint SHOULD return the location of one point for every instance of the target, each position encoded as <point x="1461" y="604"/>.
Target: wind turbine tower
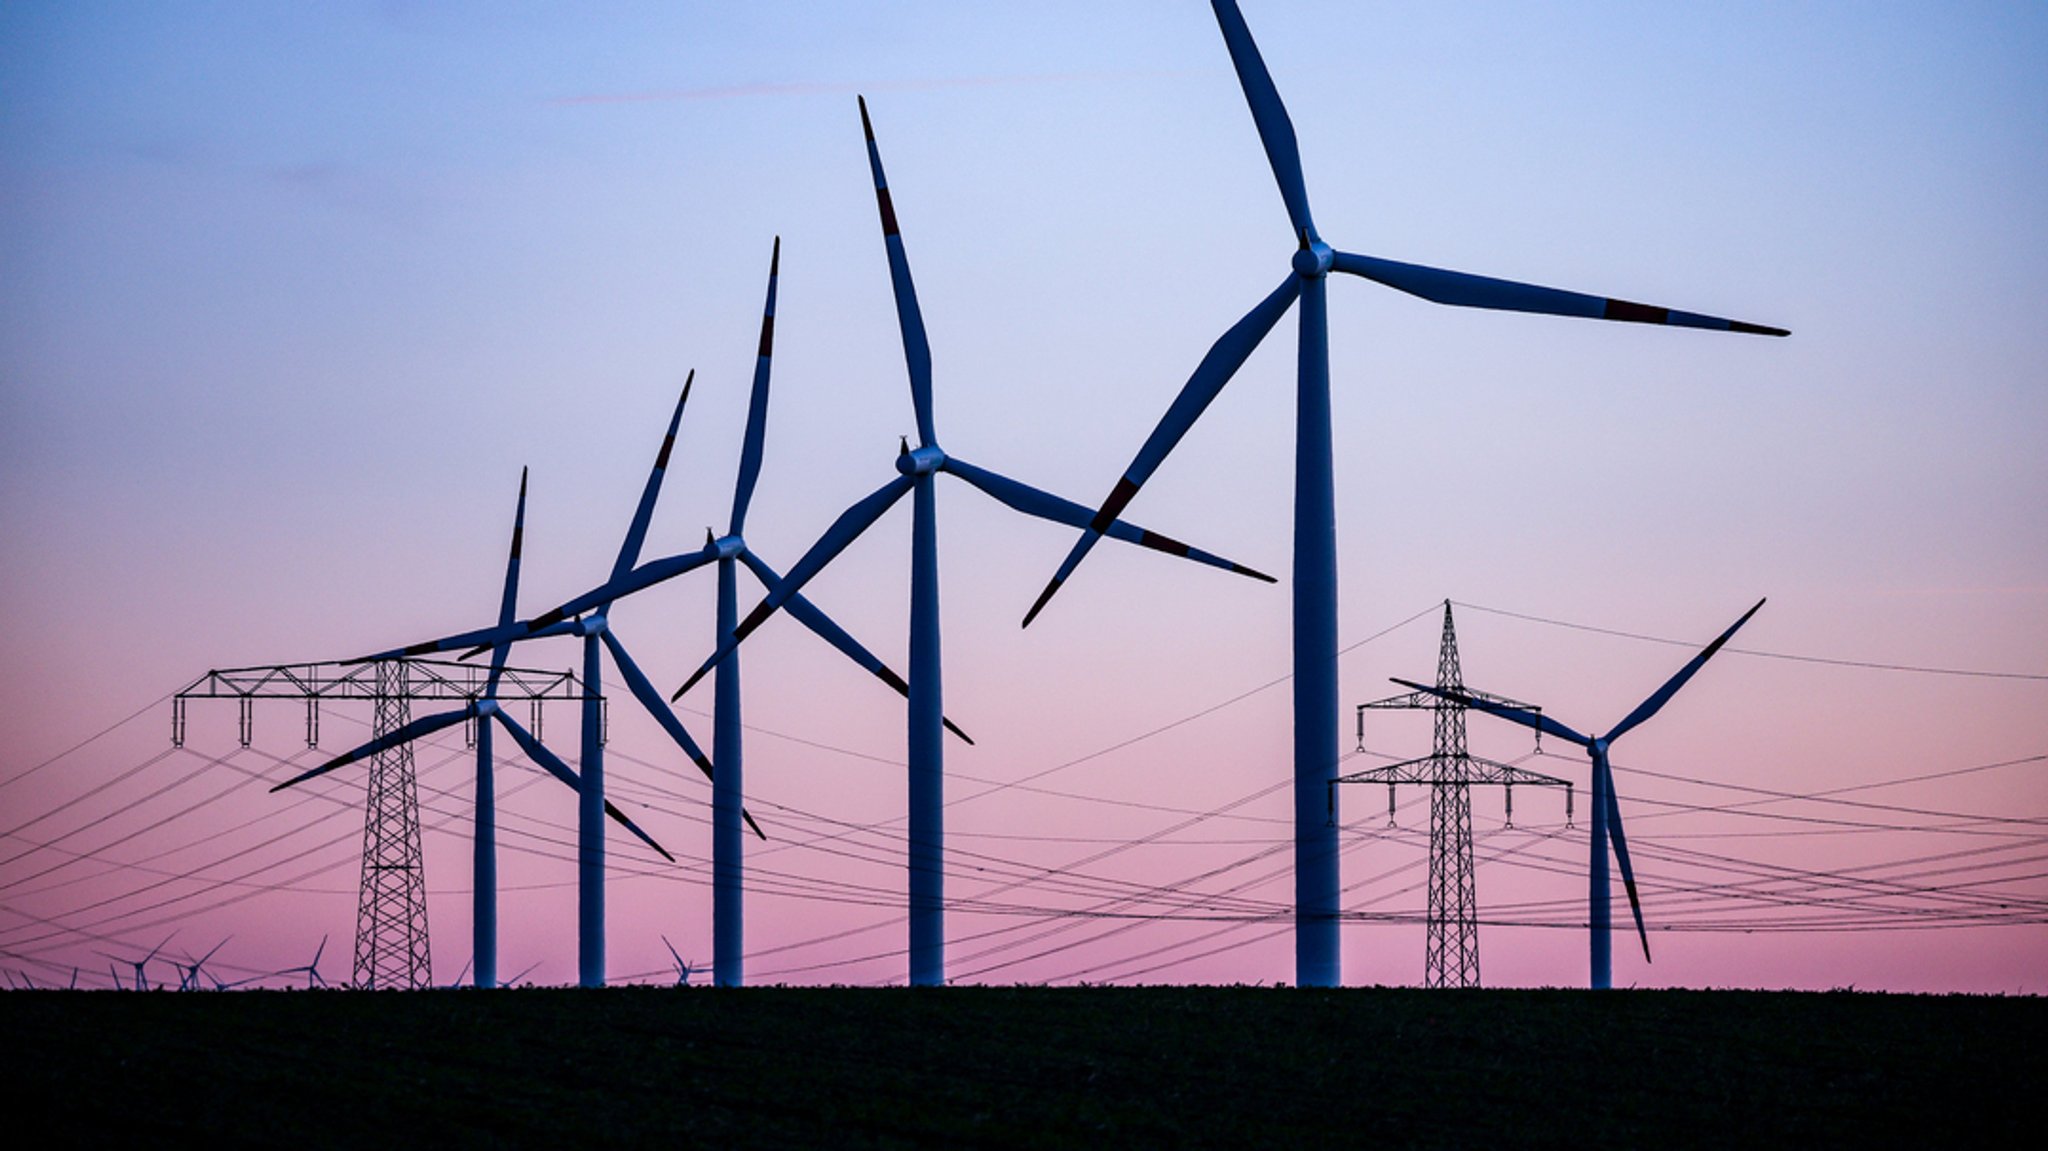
<point x="1317" y="959"/>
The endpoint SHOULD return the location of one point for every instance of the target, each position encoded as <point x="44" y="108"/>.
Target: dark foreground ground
<point x="994" y="1067"/>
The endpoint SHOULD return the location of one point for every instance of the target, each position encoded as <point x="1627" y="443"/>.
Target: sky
<point x="290" y="294"/>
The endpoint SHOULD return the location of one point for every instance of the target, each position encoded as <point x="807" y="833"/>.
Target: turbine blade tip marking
<point x="1044" y="598"/>
<point x="1167" y="544"/>
<point x="1119" y="498"/>
<point x="1757" y="329"/>
<point x="1635" y="313"/>
<point x="888" y="209"/>
<point x="768" y="333"/>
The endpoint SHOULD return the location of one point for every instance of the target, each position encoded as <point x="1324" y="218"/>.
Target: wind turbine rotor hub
<point x="486" y="708"/>
<point x="1314" y="260"/>
<point x="1599" y="747"/>
<point x="729" y="547"/>
<point x="593" y="624"/>
<point x="921" y="461"/>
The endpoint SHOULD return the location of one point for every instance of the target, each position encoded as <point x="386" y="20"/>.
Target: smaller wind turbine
<point x="313" y="977"/>
<point x="729" y="552"/>
<point x="140" y="965"/>
<point x="682" y="965"/>
<point x="192" y="973"/>
<point x="1606" y="809"/>
<point x="482" y="710"/>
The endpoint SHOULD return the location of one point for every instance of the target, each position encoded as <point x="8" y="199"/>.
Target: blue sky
<point x="292" y="292"/>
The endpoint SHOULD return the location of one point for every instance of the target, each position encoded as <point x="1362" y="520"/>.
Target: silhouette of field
<point x="1024" y="1067"/>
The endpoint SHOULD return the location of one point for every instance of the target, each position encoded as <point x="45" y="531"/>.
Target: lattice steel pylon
<point x="1451" y="955"/>
<point x="391" y="914"/>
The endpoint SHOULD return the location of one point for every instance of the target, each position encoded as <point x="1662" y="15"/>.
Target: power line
<point x="1761" y="654"/>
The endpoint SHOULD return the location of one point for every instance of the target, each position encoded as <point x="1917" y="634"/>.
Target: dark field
<point x="1027" y="1067"/>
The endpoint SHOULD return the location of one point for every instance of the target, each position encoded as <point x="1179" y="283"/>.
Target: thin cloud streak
<point x="845" y="88"/>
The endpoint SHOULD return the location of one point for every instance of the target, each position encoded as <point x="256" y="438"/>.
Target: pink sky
<point x="294" y="296"/>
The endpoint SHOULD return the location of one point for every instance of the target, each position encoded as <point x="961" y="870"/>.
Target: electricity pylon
<point x="1449" y="771"/>
<point x="392" y="949"/>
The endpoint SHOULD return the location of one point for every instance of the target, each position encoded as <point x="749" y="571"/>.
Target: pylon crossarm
<point x="1493" y="771"/>
<point x="426" y="679"/>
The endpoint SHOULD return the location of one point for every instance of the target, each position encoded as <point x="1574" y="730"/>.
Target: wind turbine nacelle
<point x="1314" y="260"/>
<point x="728" y="547"/>
<point x="921" y="461"/>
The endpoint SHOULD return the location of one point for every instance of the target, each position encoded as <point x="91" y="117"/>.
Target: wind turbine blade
<point x="1628" y="873"/>
<point x="643" y="512"/>
<point x="509" y="605"/>
<point x="1464" y="290"/>
<point x="757" y="406"/>
<point x="517" y="633"/>
<point x="1650" y="706"/>
<point x="917" y="350"/>
<point x="425" y="725"/>
<point x="650" y="698"/>
<point x="639" y="579"/>
<point x="538" y="753"/>
<point x="844" y="531"/>
<point x="476" y="640"/>
<point x="1226" y="355"/>
<point x="813" y="617"/>
<point x="1276" y="130"/>
<point x="627" y="823"/>
<point x="1044" y="505"/>
<point x="1523" y="716"/>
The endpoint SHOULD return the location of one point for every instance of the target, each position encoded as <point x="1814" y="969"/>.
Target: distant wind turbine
<point x="1317" y="958"/>
<point x="192" y="973"/>
<point x="918" y="471"/>
<point x="140" y="965"/>
<point x="682" y="966"/>
<point x="1606" y="808"/>
<point x="312" y="970"/>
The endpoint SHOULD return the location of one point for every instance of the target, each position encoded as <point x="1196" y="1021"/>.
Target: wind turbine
<point x="141" y="977"/>
<point x="682" y="967"/>
<point x="1316" y="946"/>
<point x="918" y="470"/>
<point x="729" y="552"/>
<point x="483" y="709"/>
<point x="1606" y="808"/>
<point x="312" y="970"/>
<point x="191" y="974"/>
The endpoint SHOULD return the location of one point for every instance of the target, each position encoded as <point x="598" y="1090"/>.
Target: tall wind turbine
<point x="588" y="616"/>
<point x="1606" y="809"/>
<point x="483" y="709"/>
<point x="729" y="552"/>
<point x="1316" y="947"/>
<point x="918" y="470"/>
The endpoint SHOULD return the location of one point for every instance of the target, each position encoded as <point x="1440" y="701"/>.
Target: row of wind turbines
<point x="1314" y="584"/>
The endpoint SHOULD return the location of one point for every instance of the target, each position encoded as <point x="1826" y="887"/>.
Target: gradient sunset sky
<point x="289" y="294"/>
